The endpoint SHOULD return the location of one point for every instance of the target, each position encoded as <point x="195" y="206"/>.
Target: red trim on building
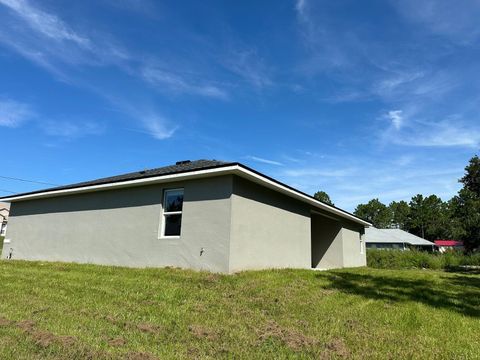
<point x="448" y="243"/>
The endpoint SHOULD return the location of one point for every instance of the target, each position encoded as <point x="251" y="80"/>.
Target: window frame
<point x="164" y="214"/>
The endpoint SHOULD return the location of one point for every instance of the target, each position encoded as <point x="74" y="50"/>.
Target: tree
<point x="471" y="180"/>
<point x="400" y="214"/>
<point x="323" y="197"/>
<point x="465" y="208"/>
<point x="428" y="217"/>
<point x="375" y="212"/>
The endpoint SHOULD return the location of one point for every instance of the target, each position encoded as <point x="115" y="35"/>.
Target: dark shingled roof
<point x="179" y="167"/>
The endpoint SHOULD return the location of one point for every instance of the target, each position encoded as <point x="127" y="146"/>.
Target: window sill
<point x="169" y="237"/>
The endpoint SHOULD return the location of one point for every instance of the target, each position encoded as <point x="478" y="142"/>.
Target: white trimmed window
<point x="172" y="212"/>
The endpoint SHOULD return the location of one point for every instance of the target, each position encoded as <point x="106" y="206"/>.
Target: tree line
<point x="429" y="216"/>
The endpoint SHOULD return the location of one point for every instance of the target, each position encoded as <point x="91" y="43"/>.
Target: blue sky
<point x="360" y="99"/>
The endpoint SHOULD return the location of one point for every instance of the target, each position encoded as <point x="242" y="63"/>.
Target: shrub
<point x="413" y="259"/>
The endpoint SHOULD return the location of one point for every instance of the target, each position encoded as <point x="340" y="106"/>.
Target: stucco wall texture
<point x="228" y="224"/>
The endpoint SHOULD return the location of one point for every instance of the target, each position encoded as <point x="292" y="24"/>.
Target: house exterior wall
<point x="121" y="227"/>
<point x="354" y="253"/>
<point x="228" y="224"/>
<point x="269" y="229"/>
<point x="336" y="244"/>
<point x="327" y="244"/>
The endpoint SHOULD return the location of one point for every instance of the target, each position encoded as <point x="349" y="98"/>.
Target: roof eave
<point x="235" y="168"/>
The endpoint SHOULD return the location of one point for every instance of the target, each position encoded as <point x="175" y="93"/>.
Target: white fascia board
<point x="124" y="184"/>
<point x="233" y="169"/>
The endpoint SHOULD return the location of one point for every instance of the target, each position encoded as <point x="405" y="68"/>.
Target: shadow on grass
<point x="463" y="270"/>
<point x="458" y="293"/>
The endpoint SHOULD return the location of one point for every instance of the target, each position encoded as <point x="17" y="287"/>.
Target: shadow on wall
<point x="460" y="293"/>
<point x="324" y="232"/>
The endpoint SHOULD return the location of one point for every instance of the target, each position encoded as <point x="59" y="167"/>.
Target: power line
<point x="7" y="191"/>
<point x="30" y="181"/>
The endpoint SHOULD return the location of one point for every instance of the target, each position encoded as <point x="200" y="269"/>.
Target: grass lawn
<point x="66" y="311"/>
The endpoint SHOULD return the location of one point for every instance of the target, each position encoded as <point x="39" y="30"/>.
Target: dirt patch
<point x="140" y="356"/>
<point x="43" y="338"/>
<point x="4" y="322"/>
<point x="336" y="348"/>
<point x="149" y="328"/>
<point x="118" y="341"/>
<point x="66" y="340"/>
<point x="202" y="332"/>
<point x="27" y="326"/>
<point x="294" y="339"/>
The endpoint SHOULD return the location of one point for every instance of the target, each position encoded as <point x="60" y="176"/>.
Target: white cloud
<point x="264" y="161"/>
<point x="180" y="84"/>
<point x="45" y="23"/>
<point x="47" y="40"/>
<point x="415" y="131"/>
<point x="395" y="116"/>
<point x="158" y="126"/>
<point x="13" y="113"/>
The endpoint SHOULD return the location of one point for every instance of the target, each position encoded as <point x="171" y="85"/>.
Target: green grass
<point x="397" y="259"/>
<point x="67" y="311"/>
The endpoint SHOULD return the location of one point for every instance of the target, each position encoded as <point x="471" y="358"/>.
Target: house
<point x="395" y="239"/>
<point x="204" y="214"/>
<point x="444" y="245"/>
<point x="4" y="211"/>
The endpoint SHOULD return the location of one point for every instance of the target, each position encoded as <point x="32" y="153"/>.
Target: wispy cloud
<point x="14" y="113"/>
<point x="263" y="160"/>
<point x="45" y="23"/>
<point x="348" y="185"/>
<point x="414" y="130"/>
<point x="180" y="84"/>
<point x="72" y="129"/>
<point x="158" y="126"/>
<point x="395" y="116"/>
<point x="248" y="65"/>
<point x="47" y="40"/>
<point x="446" y="133"/>
<point x="301" y="8"/>
<point x="320" y="172"/>
<point x="458" y="22"/>
<point x="153" y="122"/>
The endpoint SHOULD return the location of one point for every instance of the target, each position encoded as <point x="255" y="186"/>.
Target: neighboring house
<point x="205" y="214"/>
<point x="395" y="239"/>
<point x="4" y="211"/>
<point x="444" y="245"/>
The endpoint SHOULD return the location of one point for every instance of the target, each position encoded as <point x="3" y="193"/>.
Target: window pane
<point x="173" y="223"/>
<point x="173" y="201"/>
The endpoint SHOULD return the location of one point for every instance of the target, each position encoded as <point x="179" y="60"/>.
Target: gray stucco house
<point x="204" y="214"/>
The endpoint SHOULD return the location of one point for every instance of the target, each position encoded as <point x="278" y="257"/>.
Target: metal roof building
<point x="393" y="239"/>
